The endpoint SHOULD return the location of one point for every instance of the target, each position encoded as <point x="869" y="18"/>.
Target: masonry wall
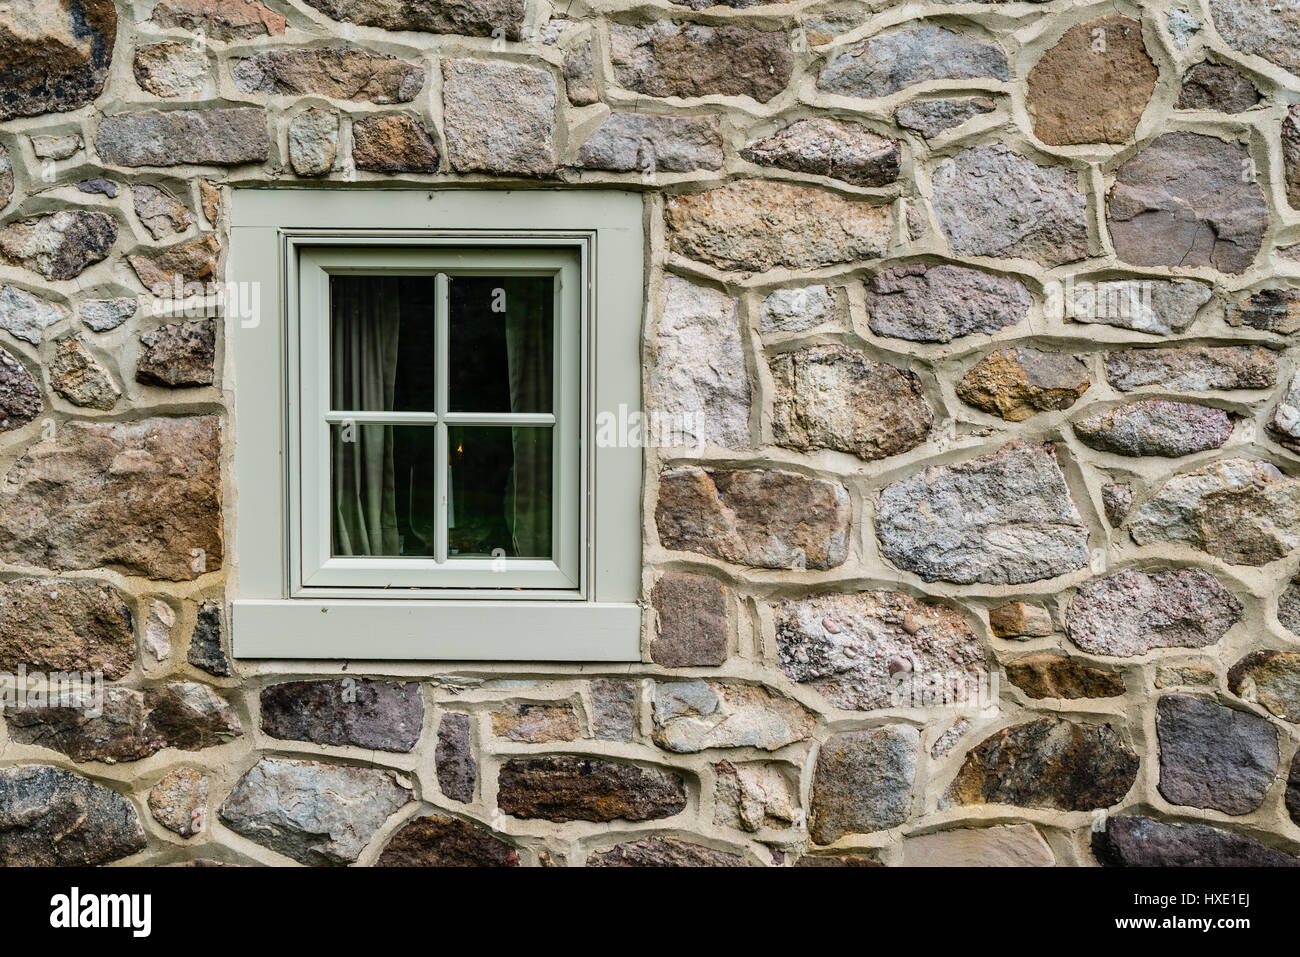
<point x="977" y="544"/>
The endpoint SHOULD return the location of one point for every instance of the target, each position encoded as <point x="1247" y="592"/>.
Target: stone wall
<point x="984" y="315"/>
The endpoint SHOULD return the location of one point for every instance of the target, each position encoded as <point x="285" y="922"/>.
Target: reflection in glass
<point x="382" y="490"/>
<point x="499" y="485"/>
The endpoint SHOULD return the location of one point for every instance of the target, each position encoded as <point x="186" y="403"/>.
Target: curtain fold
<point x="528" y="355"/>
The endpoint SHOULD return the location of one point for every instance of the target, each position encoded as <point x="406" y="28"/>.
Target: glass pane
<point x="499" y="501"/>
<point x="502" y="343"/>
<point x="382" y="489"/>
<point x="382" y="343"/>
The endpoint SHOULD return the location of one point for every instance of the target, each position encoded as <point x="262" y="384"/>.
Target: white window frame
<point x="289" y="601"/>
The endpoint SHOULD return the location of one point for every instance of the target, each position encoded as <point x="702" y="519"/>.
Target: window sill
<point x="436" y="630"/>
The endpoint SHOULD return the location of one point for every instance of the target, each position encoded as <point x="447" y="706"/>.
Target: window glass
<point x="500" y="482"/>
<point x="502" y="343"/>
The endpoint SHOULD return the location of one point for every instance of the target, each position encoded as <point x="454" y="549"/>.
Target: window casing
<point x="296" y="595"/>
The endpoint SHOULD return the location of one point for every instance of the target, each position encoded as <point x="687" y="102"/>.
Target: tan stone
<point x="393" y="144"/>
<point x="1018" y="383"/>
<point x="57" y="625"/>
<point x="223" y="19"/>
<point x="193" y="261"/>
<point x="536" y="723"/>
<point x="1020" y="619"/>
<point x="78" y="377"/>
<point x="1054" y="676"/>
<point x="1012" y="845"/>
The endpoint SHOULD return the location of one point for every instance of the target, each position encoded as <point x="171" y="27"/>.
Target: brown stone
<point x="563" y="788"/>
<point x="159" y="211"/>
<point x="663" y="852"/>
<point x="378" y="715"/>
<point x="690" y="621"/>
<point x="1268" y="310"/>
<point x="140" y="497"/>
<point x="763" y="518"/>
<point x="187" y="262"/>
<point x="833" y="397"/>
<point x="179" y="354"/>
<point x="1093" y="86"/>
<point x="53" y="624"/>
<point x="78" y="377"/>
<point x="341" y="74"/>
<point x="863" y="782"/>
<point x="474" y="18"/>
<point x="755" y="226"/>
<point x="1053" y="676"/>
<point x="393" y="144"/>
<point x="20" y="396"/>
<point x="536" y="723"/>
<point x="823" y="147"/>
<point x="1020" y="619"/>
<point x="56" y="54"/>
<point x="437" y="841"/>
<point x="671" y="59"/>
<point x="1018" y="383"/>
<point x="1048" y="763"/>
<point x="222" y="19"/>
<point x="1212" y="86"/>
<point x="179" y="801"/>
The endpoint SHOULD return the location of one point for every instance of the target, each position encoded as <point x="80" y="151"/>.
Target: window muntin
<point x="457" y="462"/>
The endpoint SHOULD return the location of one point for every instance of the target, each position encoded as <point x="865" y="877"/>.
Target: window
<point x="417" y="473"/>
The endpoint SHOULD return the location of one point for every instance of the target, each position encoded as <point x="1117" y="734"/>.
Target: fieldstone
<point x="699" y="386"/>
<point x="179" y="801"/>
<point x="6" y="177"/>
<point x="1214" y="757"/>
<point x="613" y="708"/>
<point x="159" y="211"/>
<point x="126" y="725"/>
<point x="837" y="860"/>
<point x="391" y="143"/>
<point x="939" y="303"/>
<point x="848" y="647"/>
<point x="438" y="841"/>
<point x="1271" y="679"/>
<point x="863" y="782"/>
<point x="1269" y="310"/>
<point x="50" y="817"/>
<point x="1047" y="763"/>
<point x="690" y="621"/>
<point x="1187" y="200"/>
<point x="896" y="59"/>
<point x="1142" y="842"/>
<point x="454" y="758"/>
<point x="1020" y="619"/>
<point x="1194" y="675"/>
<point x="479" y="18"/>
<point x="663" y="852"/>
<point x="1002" y="519"/>
<point x="755" y="226"/>
<point x="179" y="354"/>
<point x="825" y="147"/>
<point x="60" y="245"/>
<point x="764" y="518"/>
<point x="25" y="316"/>
<point x="205" y="643"/>
<point x="380" y="715"/>
<point x="1288" y="606"/>
<point x="193" y="261"/>
<point x="57" y="55"/>
<point x="171" y="69"/>
<point x="798" y="310"/>
<point x="1131" y="612"/>
<point x="536" y="723"/>
<point x="1155" y="427"/>
<point x="158" y="629"/>
<point x="20" y="395"/>
<point x="1182" y="26"/>
<point x="834" y="397"/>
<point x="1094" y="85"/>
<point x="1193" y="368"/>
<point x="499" y="117"/>
<point x="1055" y="676"/>
<point x="53" y="624"/>
<point x="1240" y="511"/>
<point x="1117" y="502"/>
<point x="223" y="136"/>
<point x="220" y="19"/>
<point x="1292" y="796"/>
<point x="314" y="141"/>
<point x="1010" y="845"/>
<point x="992" y="202"/>
<point x="77" y="376"/>
<point x="752" y="797"/>
<point x="944" y="744"/>
<point x="564" y="788"/>
<point x="98" y="186"/>
<point x="1291" y="156"/>
<point x="1218" y="88"/>
<point x="1019" y="383"/>
<point x="579" y="78"/>
<point x="338" y="73"/>
<point x="630" y="142"/>
<point x="314" y="813"/>
<point x="1155" y="306"/>
<point x="210" y="201"/>
<point x="56" y="147"/>
<point x="692" y="716"/>
<point x="932" y="117"/>
<point x="1268" y="30"/>
<point x="141" y="497"/>
<point x="689" y="59"/>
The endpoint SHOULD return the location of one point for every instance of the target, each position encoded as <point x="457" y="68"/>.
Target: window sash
<point x="316" y="566"/>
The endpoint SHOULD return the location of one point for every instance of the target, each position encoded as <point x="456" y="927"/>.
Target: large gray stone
<point x="824" y="147"/>
<point x="314" y="813"/>
<point x="226" y="136"/>
<point x="1268" y="30"/>
<point x="1193" y="368"/>
<point x="1155" y="427"/>
<point x="644" y="142"/>
<point x="499" y="117"/>
<point x="932" y="117"/>
<point x="1214" y="757"/>
<point x="939" y="303"/>
<point x="50" y="817"/>
<point x="25" y="316"/>
<point x="1005" y="518"/>
<point x="863" y="782"/>
<point x="690" y="59"/>
<point x="896" y="59"/>
<point x="692" y="716"/>
<point x="1157" y="306"/>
